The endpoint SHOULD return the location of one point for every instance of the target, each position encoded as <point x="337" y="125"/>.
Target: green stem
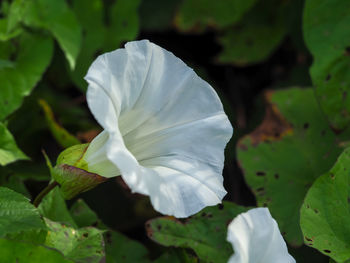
<point x="44" y="192"/>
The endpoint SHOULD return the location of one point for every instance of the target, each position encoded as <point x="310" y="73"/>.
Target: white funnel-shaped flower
<point x="255" y="238"/>
<point x="164" y="128"/>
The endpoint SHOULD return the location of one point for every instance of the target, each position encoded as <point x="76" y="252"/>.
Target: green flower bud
<point x="71" y="172"/>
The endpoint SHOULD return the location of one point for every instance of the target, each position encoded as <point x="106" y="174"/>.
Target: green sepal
<point x="71" y="172"/>
<point x="74" y="180"/>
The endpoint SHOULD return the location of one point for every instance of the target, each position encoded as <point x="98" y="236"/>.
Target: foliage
<point x="286" y="153"/>
<point x="17" y="214"/>
<point x="325" y="211"/>
<point x="205" y="232"/>
<point x="294" y="159"/>
<point x="327" y="38"/>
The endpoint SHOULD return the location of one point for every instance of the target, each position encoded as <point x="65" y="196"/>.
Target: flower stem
<point x="44" y="192"/>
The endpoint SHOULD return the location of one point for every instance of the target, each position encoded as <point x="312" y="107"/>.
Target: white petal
<point x="96" y="157"/>
<point x="166" y="127"/>
<point x="255" y="238"/>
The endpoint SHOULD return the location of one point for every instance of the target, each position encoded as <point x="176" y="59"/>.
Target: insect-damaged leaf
<point x="205" y="232"/>
<point x="326" y="34"/>
<point x="325" y="214"/>
<point x="81" y="245"/>
<point x="286" y="153"/>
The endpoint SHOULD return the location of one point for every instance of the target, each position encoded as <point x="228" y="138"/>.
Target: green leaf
<point x="80" y="245"/>
<point x="326" y="24"/>
<point x="119" y="248"/>
<point x="9" y="152"/>
<point x="17" y="214"/>
<point x="54" y="207"/>
<point x="198" y="14"/>
<point x="82" y="214"/>
<point x="4" y="34"/>
<point x="54" y="16"/>
<point x="325" y="214"/>
<point x="258" y="34"/>
<point x="62" y="136"/>
<point x="14" y="251"/>
<point x="286" y="153"/>
<point x="204" y="232"/>
<point x="31" y="59"/>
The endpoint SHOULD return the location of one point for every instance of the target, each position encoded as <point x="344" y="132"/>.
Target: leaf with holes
<point x="198" y="14"/>
<point x="204" y="232"/>
<point x="80" y="245"/>
<point x="326" y="34"/>
<point x="286" y="153"/>
<point x="17" y="80"/>
<point x="17" y="214"/>
<point x="325" y="214"/>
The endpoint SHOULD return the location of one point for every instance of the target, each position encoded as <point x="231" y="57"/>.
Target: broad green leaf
<point x="204" y="232"/>
<point x="17" y="214"/>
<point x="80" y="245"/>
<point x="82" y="214"/>
<point x="286" y="153"/>
<point x="326" y="33"/>
<point x="62" y="136"/>
<point x="198" y="14"/>
<point x="14" y="251"/>
<point x="9" y="152"/>
<point x="54" y="207"/>
<point x="325" y="214"/>
<point x="32" y="56"/>
<point x="119" y="248"/>
<point x="54" y="16"/>
<point x="257" y="35"/>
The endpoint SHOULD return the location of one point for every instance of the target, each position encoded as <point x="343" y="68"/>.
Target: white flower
<point x="255" y="238"/>
<point x="164" y="128"/>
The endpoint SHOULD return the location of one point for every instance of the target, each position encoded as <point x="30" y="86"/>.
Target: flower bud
<point x="71" y="172"/>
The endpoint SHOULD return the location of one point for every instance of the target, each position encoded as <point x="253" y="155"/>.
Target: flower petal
<point x="255" y="237"/>
<point x="96" y="157"/>
<point x="166" y="127"/>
